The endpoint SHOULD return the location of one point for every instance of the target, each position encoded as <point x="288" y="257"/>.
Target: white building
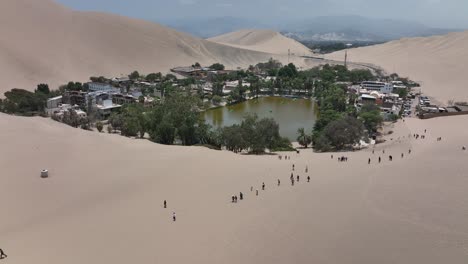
<point x="54" y="102"/>
<point x="102" y="87"/>
<point x="231" y="86"/>
<point x="380" y="87"/>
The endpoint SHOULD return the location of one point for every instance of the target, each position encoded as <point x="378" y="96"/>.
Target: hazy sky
<point x="436" y="13"/>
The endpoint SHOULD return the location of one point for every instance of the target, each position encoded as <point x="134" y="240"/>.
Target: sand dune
<point x="54" y="44"/>
<point x="437" y="62"/>
<point x="262" y="40"/>
<point x="103" y="200"/>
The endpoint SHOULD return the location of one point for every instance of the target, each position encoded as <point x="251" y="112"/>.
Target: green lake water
<point x="290" y="114"/>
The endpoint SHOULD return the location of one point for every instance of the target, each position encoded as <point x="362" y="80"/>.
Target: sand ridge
<point x="262" y="40"/>
<point x="54" y="44"/>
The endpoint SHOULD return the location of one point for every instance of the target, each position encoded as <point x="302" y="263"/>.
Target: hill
<point x="357" y="28"/>
<point x="54" y="44"/>
<point x="436" y="62"/>
<point x="262" y="40"/>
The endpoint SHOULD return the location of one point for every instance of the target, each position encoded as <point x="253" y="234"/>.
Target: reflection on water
<point x="290" y="114"/>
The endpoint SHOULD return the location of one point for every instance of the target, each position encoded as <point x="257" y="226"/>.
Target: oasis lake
<point x="290" y="114"/>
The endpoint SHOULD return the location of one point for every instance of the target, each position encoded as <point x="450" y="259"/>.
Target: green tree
<point x="303" y="139"/>
<point x="217" y="67"/>
<point x="340" y="134"/>
<point x="43" y="88"/>
<point x="371" y="117"/>
<point x="135" y="75"/>
<point x="217" y="99"/>
<point x="153" y="77"/>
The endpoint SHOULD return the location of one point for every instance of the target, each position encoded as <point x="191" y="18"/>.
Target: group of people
<point x="235" y="198"/>
<point x="280" y="157"/>
<point x="173" y="213"/>
<point x="342" y="159"/>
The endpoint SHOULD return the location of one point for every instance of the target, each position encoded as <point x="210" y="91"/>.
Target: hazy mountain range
<point x="326" y="28"/>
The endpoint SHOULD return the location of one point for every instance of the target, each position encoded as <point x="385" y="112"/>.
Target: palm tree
<point x="303" y="139"/>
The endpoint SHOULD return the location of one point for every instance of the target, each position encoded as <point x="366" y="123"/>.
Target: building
<point x="75" y="98"/>
<point x="380" y="87"/>
<point x="231" y="86"/>
<point x="54" y="102"/>
<point x="121" y="99"/>
<point x="107" y="107"/>
<point x="102" y="87"/>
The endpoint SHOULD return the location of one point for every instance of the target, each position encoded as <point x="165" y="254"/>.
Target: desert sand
<point x="54" y="44"/>
<point x="103" y="201"/>
<point x="262" y="40"/>
<point x="436" y="62"/>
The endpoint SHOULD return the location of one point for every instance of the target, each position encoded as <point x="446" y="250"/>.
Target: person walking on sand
<point x="402" y="155"/>
<point x="256" y="193"/>
<point x="297" y="178"/>
<point x="292" y="176"/>
<point x="173" y="216"/>
<point x="263" y="186"/>
<point x="233" y="199"/>
<point x="279" y="182"/>
<point x="293" y="167"/>
<point x="409" y="151"/>
<point x="307" y="169"/>
<point x="368" y="162"/>
<point x="165" y="204"/>
<point x="2" y="254"/>
<point x="241" y="196"/>
<point x="380" y="159"/>
<point x="251" y="188"/>
<point x="292" y="182"/>
<point x="308" y="178"/>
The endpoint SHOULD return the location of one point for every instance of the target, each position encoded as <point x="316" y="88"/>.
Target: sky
<point x="434" y="13"/>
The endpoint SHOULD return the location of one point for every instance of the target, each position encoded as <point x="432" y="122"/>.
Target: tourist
<point x="2" y="254"/>
<point x="293" y="167"/>
<point x="251" y="188"/>
<point x="372" y="152"/>
<point x="380" y="159"/>
<point x="256" y="192"/>
<point x="165" y="204"/>
<point x="307" y="169"/>
<point x="390" y="157"/>
<point x="308" y="178"/>
<point x="292" y="176"/>
<point x="292" y="181"/>
<point x="409" y="151"/>
<point x="241" y="196"/>
<point x="368" y="161"/>
<point x="331" y="156"/>
<point x="233" y="199"/>
<point x="463" y="148"/>
<point x="402" y="155"/>
<point x="279" y="182"/>
<point x="173" y="216"/>
<point x="263" y="186"/>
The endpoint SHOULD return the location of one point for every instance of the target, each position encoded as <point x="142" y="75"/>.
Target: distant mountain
<point x="357" y="28"/>
<point x="210" y="27"/>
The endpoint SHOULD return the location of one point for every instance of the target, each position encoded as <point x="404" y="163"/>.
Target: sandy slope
<point x="262" y="40"/>
<point x="103" y="201"/>
<point x="41" y="41"/>
<point x="438" y="62"/>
